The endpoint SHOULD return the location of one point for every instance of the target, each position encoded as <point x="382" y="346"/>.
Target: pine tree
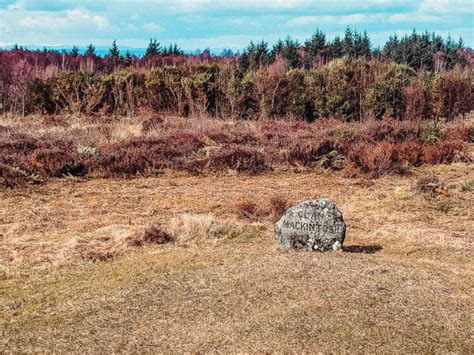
<point x="348" y="43"/>
<point x="90" y="50"/>
<point x="153" y="48"/>
<point x="128" y="58"/>
<point x="114" y="54"/>
<point x="277" y="49"/>
<point x="74" y="51"/>
<point x="227" y="53"/>
<point x="366" y="45"/>
<point x="314" y="47"/>
<point x="337" y="48"/>
<point x="290" y="52"/>
<point x="176" y="50"/>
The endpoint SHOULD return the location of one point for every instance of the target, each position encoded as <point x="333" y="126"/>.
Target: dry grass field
<point x="403" y="282"/>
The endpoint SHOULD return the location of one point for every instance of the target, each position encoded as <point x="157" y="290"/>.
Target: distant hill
<point x="102" y="50"/>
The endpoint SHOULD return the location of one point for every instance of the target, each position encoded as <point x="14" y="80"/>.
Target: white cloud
<point x="197" y="5"/>
<point x="309" y="20"/>
<point x="16" y="6"/>
<point x="151" y="26"/>
<point x="63" y="20"/>
<point x="85" y="17"/>
<point x="447" y="6"/>
<point x="413" y="17"/>
<point x="353" y="19"/>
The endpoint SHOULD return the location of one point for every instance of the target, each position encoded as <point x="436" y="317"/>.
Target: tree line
<point x="414" y="77"/>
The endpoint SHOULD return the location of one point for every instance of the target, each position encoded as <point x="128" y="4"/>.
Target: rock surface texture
<point x="311" y="225"/>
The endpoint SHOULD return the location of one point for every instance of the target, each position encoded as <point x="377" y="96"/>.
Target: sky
<point x="217" y="24"/>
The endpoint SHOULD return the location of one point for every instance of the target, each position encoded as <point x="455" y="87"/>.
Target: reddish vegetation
<point x="52" y="148"/>
<point x="272" y="210"/>
<point x="151" y="235"/>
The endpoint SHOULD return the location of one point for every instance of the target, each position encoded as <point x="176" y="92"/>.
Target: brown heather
<point x="34" y="149"/>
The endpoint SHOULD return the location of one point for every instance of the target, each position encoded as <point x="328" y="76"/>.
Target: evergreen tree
<point x="177" y="50"/>
<point x="419" y="50"/>
<point x="74" y="51"/>
<point x="227" y="53"/>
<point x="366" y="46"/>
<point x="153" y="48"/>
<point x="114" y="54"/>
<point x="128" y="58"/>
<point x="172" y="49"/>
<point x="337" y="48"/>
<point x="90" y="50"/>
<point x="348" y="43"/>
<point x="277" y="49"/>
<point x="314" y="47"/>
<point x="290" y="52"/>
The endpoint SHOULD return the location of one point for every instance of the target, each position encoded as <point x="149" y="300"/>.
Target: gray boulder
<point x="311" y="225"/>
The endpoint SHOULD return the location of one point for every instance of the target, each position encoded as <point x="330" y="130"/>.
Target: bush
<point x="277" y="207"/>
<point x="375" y="160"/>
<point x="151" y="235"/>
<point x="385" y="97"/>
<point x="147" y="155"/>
<point x="77" y="92"/>
<point x="453" y="94"/>
<point x="248" y="209"/>
<point x="239" y="158"/>
<point x="124" y="91"/>
<point x="443" y="152"/>
<point x="430" y="132"/>
<point x="14" y="177"/>
<point x="164" y="90"/>
<point x="58" y="163"/>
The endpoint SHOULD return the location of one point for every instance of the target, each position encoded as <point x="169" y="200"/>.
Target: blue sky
<point x="222" y="24"/>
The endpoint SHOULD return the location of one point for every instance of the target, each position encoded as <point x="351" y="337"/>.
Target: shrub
<point x="430" y="132"/>
<point x="414" y="102"/>
<point x="151" y="235"/>
<point x="124" y="91"/>
<point x="342" y="99"/>
<point x="385" y="97"/>
<point x="443" y="152"/>
<point x="165" y="91"/>
<point x="15" y="177"/>
<point x="278" y="204"/>
<point x="201" y="91"/>
<point x="248" y="209"/>
<point x="375" y="160"/>
<point x="239" y="158"/>
<point x="410" y="153"/>
<point x="77" y="92"/>
<point x="453" y="94"/>
<point x="147" y="155"/>
<point x="58" y="163"/>
<point x="460" y="133"/>
<point x="40" y="97"/>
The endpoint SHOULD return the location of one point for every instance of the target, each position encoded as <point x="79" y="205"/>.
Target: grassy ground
<point x="402" y="284"/>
